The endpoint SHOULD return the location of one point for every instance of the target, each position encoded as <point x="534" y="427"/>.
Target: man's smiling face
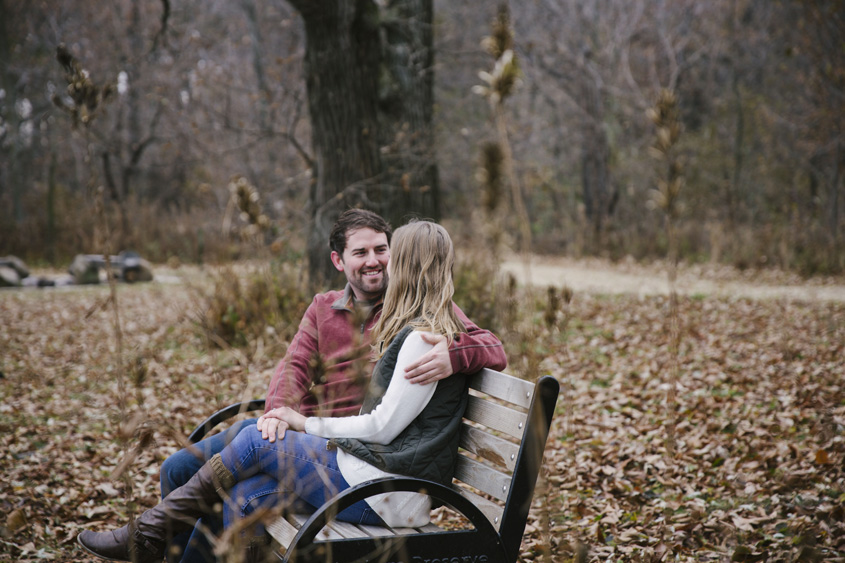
<point x="364" y="262"/>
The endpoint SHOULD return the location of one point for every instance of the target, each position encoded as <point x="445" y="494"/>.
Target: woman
<point x="403" y="429"/>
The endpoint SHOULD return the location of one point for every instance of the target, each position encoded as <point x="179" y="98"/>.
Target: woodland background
<point x="200" y="92"/>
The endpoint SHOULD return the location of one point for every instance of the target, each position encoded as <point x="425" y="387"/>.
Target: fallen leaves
<point x="759" y="424"/>
<point x="16" y="521"/>
<point x="62" y="432"/>
<point x="758" y="418"/>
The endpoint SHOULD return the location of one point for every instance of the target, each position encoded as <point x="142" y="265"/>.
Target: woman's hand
<point x="276" y="422"/>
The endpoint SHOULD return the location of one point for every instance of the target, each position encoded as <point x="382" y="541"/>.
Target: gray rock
<point x="16" y="264"/>
<point x="84" y="270"/>
<point x="133" y="268"/>
<point x="9" y="277"/>
<point x="64" y="280"/>
<point x="37" y="281"/>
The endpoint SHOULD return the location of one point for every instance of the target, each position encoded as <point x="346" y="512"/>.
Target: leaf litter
<point x="742" y="462"/>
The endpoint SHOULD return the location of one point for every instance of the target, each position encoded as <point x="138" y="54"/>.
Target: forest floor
<point x="736" y="452"/>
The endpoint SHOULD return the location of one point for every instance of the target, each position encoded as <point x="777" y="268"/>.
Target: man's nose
<point x="371" y="259"/>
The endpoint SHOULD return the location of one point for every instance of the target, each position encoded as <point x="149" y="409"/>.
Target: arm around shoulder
<point x="476" y="349"/>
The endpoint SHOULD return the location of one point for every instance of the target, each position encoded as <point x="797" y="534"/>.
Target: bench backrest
<point x="503" y="437"/>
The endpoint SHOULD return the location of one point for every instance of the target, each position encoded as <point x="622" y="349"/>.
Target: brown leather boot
<point x="146" y="540"/>
<point x="116" y="545"/>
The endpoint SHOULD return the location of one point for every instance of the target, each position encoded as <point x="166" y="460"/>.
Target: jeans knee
<point x="246" y="438"/>
<point x="181" y="466"/>
<point x="178" y="470"/>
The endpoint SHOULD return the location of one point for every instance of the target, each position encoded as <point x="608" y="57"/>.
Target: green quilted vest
<point x="428" y="447"/>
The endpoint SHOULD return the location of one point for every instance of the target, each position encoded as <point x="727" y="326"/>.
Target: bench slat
<point x="382" y="532"/>
<point x="282" y="531"/>
<point x="492" y="448"/>
<point x="503" y="386"/>
<point x="347" y="530"/>
<point x="497" y="417"/>
<point x="430" y="529"/>
<point x="376" y="531"/>
<point x="327" y="533"/>
<point x="483" y="478"/>
<point x="490" y="509"/>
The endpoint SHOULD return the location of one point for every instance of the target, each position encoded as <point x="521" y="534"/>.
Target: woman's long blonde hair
<point x="420" y="289"/>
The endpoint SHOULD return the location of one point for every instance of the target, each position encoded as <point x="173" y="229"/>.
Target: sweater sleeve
<point x="291" y="380"/>
<point x="475" y="349"/>
<point x="401" y="404"/>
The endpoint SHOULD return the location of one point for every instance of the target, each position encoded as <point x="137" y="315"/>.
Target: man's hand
<point x="433" y="365"/>
<point x="276" y="422"/>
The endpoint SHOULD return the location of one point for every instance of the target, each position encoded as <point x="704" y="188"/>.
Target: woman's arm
<point x="476" y="349"/>
<point x="401" y="404"/>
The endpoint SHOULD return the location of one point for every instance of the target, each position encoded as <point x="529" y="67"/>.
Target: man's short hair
<point x="352" y="220"/>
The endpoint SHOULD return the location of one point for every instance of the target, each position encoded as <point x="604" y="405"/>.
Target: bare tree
<point x="818" y="40"/>
<point x="571" y="46"/>
<point x="596" y="66"/>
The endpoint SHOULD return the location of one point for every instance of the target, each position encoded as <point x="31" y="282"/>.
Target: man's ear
<point x="337" y="261"/>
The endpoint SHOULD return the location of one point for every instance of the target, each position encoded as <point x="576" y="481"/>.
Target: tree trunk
<point x="51" y="207"/>
<point x="264" y="117"/>
<point x="341" y="68"/>
<point x="594" y="159"/>
<point x="344" y="56"/>
<point x="412" y="183"/>
<point x="833" y="204"/>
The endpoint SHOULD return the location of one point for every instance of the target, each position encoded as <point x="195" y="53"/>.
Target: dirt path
<point x="601" y="276"/>
<point x="592" y="275"/>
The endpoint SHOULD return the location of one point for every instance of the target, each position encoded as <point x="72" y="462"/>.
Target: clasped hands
<point x="276" y="422"/>
<point x="430" y="367"/>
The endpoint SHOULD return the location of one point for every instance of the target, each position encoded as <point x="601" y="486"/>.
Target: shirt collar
<point x="347" y="300"/>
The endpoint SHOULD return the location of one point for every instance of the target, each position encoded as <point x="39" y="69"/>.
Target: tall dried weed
<point x="245" y="304"/>
<point x="257" y="305"/>
<point x="665" y="197"/>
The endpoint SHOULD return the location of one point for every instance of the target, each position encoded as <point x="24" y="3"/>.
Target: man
<point x="327" y="367"/>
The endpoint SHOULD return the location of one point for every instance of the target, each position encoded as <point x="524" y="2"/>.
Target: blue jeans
<point x="295" y="473"/>
<point x="176" y="471"/>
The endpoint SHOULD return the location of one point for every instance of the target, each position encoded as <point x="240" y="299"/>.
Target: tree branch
<point x="165" y="17"/>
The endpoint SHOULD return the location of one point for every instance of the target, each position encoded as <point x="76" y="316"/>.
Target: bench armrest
<point x="304" y="539"/>
<point x="224" y="414"/>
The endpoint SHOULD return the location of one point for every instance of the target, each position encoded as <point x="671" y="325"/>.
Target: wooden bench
<point x="503" y="437"/>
